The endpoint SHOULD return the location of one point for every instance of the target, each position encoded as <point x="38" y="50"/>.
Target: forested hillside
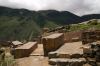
<point x="20" y="24"/>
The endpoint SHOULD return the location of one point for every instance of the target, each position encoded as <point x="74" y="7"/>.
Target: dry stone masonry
<point x="90" y="36"/>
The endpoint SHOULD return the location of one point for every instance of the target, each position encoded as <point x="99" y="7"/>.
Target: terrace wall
<point x="90" y="36"/>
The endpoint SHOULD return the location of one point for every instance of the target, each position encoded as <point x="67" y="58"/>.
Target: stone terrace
<point x="71" y="48"/>
<point x="68" y="50"/>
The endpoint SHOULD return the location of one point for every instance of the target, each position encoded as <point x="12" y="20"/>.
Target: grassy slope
<point x="19" y="24"/>
<point x="12" y="28"/>
<point x="86" y="27"/>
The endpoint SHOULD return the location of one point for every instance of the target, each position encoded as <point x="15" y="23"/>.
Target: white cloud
<point x="79" y="7"/>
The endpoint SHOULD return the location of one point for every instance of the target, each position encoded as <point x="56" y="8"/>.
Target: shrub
<point x="9" y="61"/>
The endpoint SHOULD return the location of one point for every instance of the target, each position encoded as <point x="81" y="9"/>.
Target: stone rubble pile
<point x="92" y="53"/>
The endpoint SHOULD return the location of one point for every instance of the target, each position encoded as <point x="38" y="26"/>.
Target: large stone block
<point x="52" y="42"/>
<point x="24" y="50"/>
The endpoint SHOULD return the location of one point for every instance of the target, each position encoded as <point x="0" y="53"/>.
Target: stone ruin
<point x="52" y="42"/>
<point x="90" y="36"/>
<point x="90" y="55"/>
<point x="58" y="29"/>
<point x="24" y="50"/>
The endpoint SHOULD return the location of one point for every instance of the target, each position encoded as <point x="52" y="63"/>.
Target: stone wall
<point x="90" y="36"/>
<point x="5" y="43"/>
<point x="92" y="53"/>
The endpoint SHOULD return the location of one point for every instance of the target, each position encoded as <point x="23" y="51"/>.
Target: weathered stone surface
<point x="77" y="56"/>
<point x="63" y="55"/>
<point x="24" y="50"/>
<point x="66" y="61"/>
<point x="98" y="63"/>
<point x="75" y="39"/>
<point x="52" y="61"/>
<point x="87" y="50"/>
<point x="52" y="55"/>
<point x="91" y="59"/>
<point x="58" y="61"/>
<point x="62" y="63"/>
<point x="77" y="62"/>
<point x="52" y="42"/>
<point x="70" y="48"/>
<point x="90" y="36"/>
<point x="5" y="43"/>
<point x="86" y="65"/>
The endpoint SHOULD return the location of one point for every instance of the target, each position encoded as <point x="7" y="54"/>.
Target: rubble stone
<point x="52" y="55"/>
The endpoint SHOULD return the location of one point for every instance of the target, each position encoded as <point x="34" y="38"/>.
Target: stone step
<point x="36" y="55"/>
<point x="67" y="61"/>
<point x="68" y="50"/>
<point x="64" y="55"/>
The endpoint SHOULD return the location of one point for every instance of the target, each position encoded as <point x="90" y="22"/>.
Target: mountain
<point x="20" y="24"/>
<point x="90" y="16"/>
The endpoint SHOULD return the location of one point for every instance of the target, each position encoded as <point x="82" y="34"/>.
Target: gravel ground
<point x="33" y="61"/>
<point x="38" y="51"/>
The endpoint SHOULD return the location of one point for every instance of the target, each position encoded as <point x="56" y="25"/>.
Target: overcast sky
<point x="78" y="7"/>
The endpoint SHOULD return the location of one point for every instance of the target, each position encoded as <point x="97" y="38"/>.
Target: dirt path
<point x="33" y="61"/>
<point x="38" y="51"/>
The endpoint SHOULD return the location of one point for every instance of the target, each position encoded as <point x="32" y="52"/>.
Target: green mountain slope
<point x="90" y="16"/>
<point x="13" y="29"/>
<point x="20" y="24"/>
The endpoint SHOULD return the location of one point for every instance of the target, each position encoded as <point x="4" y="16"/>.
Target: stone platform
<point x="68" y="50"/>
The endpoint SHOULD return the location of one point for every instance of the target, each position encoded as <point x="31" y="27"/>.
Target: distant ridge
<point x="18" y="24"/>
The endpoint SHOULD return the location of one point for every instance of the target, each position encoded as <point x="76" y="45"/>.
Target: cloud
<point x="78" y="7"/>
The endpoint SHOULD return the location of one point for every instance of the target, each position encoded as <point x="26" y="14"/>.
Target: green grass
<point x="81" y="27"/>
<point x="51" y="24"/>
<point x="11" y="28"/>
<point x="9" y="61"/>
